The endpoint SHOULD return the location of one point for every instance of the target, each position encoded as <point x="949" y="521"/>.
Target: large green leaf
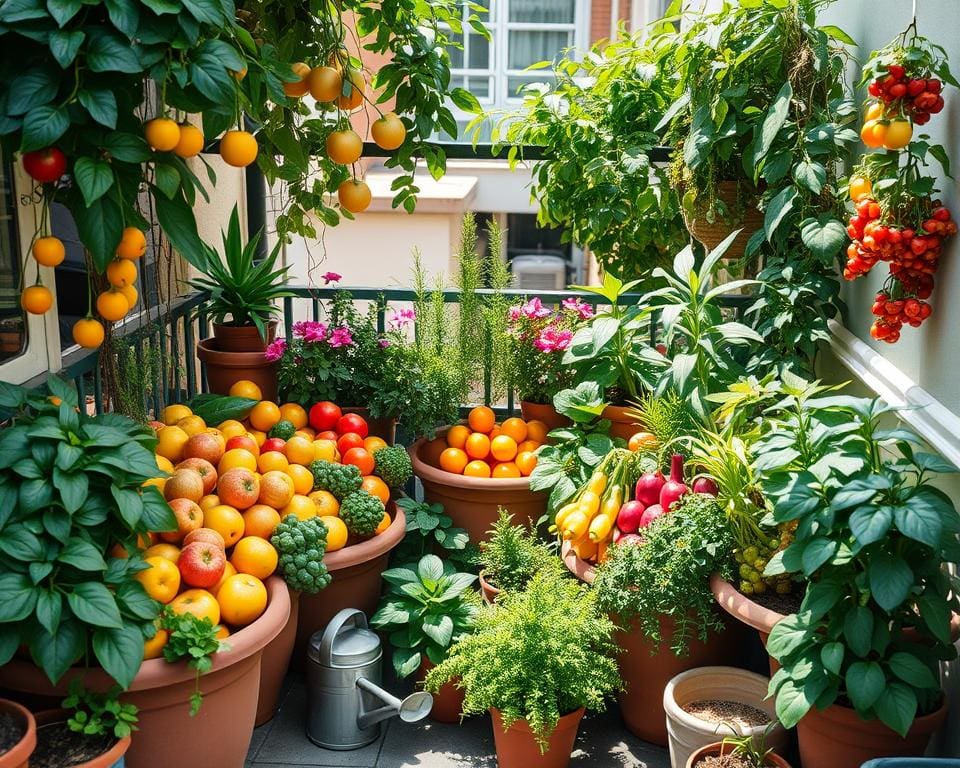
<point x="858" y="629"/>
<point x="773" y="122"/>
<point x="100" y="226"/>
<point x="865" y="682"/>
<point x="120" y="652"/>
<point x="42" y="127"/>
<point x="921" y="517"/>
<point x="59" y="651"/>
<point x="94" y="177"/>
<point x="108" y="52"/>
<point x="125" y="15"/>
<point x="17" y="597"/>
<point x="811" y="175"/>
<point x="824" y="236"/>
<point x="896" y="707"/>
<point x="778" y="209"/>
<point x="870" y="523"/>
<point x="101" y="104"/>
<point x="912" y="671"/>
<point x="438" y="628"/>
<point x="890" y="580"/>
<point x="81" y="554"/>
<point x="93" y="603"/>
<point x="64" y="10"/>
<point x="177" y="220"/>
<point x="33" y="88"/>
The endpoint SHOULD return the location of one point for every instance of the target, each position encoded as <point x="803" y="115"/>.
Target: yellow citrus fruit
<point x="264" y="415"/>
<point x="388" y="132"/>
<point x="326" y="502"/>
<point x="537" y="431"/>
<point x="344" y="147"/>
<point x="192" y="425"/>
<point x="161" y="580"/>
<point x="272" y="461"/>
<point x="88" y="333"/>
<point x="482" y="419"/>
<point x="302" y="478"/>
<point x="237" y="457"/>
<point x="260" y="520"/>
<point x="515" y="428"/>
<point x="898" y="134"/>
<point x="131" y="294"/>
<point x="133" y="244"/>
<point x="354" y="195"/>
<point x="112" y="306"/>
<point x="174" y="413"/>
<point x="352" y="90"/>
<point x="503" y="448"/>
<point x="324" y="83"/>
<point x="301" y="507"/>
<point x="164" y="463"/>
<point x="162" y="133"/>
<point x="325" y="450"/>
<point x="376" y="487"/>
<point x="228" y="571"/>
<point x="477" y="469"/>
<point x="526" y="462"/>
<point x="36" y="299"/>
<point x="374" y="443"/>
<point x="299" y="87"/>
<point x="255" y="556"/>
<point x="384" y="524"/>
<point x="299" y="450"/>
<point x="171" y="442"/>
<point x="454" y="460"/>
<point x="506" y="469"/>
<point x="121" y="272"/>
<point x="191" y="141"/>
<point x="295" y="414"/>
<point x="209" y="501"/>
<point x="231" y="428"/>
<point x="246" y="388"/>
<point x="163" y="549"/>
<point x="238" y="148"/>
<point x="276" y="489"/>
<point x="226" y="521"/>
<point x="199" y="602"/>
<point x="49" y="251"/>
<point x="242" y="599"/>
<point x="336" y="533"/>
<point x="153" y="648"/>
<point x="259" y="437"/>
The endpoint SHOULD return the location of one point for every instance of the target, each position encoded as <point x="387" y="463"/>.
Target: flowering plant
<point x="539" y="337"/>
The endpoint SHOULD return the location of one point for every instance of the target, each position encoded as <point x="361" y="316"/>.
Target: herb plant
<point x="427" y="607"/>
<point x="301" y="545"/>
<point x="513" y="555"/>
<point x="429" y="527"/>
<point x="99" y="714"/>
<point x="194" y="640"/>
<point x="537" y="655"/>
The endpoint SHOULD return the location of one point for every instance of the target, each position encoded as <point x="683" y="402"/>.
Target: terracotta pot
<point x="836" y="737"/>
<point x="355" y="571"/>
<point x="621" y="425"/>
<point x="275" y="662"/>
<point x="544" y="412"/>
<point x="646" y="668"/>
<point x="473" y="502"/>
<point x="448" y="701"/>
<point x="517" y="748"/>
<point x="162" y="691"/>
<point x="242" y="338"/>
<point x="688" y="733"/>
<point x="712" y="234"/>
<point x="719" y="748"/>
<point x="224" y="369"/>
<point x="19" y="754"/>
<point x="742" y="608"/>
<point x="487" y="589"/>
<point x="382" y="428"/>
<point x="108" y="759"/>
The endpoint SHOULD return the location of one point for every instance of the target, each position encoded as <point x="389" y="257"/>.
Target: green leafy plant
<point x="667" y="417"/>
<point x="668" y="574"/>
<point x="301" y="545"/>
<point x="428" y="527"/>
<point x="427" y="607"/>
<point x="71" y="489"/>
<point x="99" y="714"/>
<point x="362" y="513"/>
<point x="752" y="749"/>
<point x="392" y="465"/>
<point x="339" y="479"/>
<point x="194" y="640"/>
<point x="873" y="536"/>
<point x="513" y="555"/>
<point x="537" y="655"/>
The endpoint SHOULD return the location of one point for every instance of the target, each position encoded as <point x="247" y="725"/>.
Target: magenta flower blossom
<point x="514" y="314"/>
<point x="534" y="309"/>
<point x="400" y="318"/>
<point x="340" y="337"/>
<point x="576" y="304"/>
<point x="384" y="343"/>
<point x="310" y="330"/>
<point x="552" y="340"/>
<point x="275" y="350"/>
<point x="331" y="277"/>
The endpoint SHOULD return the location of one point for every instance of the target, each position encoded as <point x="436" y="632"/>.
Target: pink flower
<point x="340" y="337"/>
<point x="331" y="277"/>
<point x="576" y="304"/>
<point x="514" y="314"/>
<point x="552" y="340"/>
<point x="275" y="350"/>
<point x="534" y="309"/>
<point x="384" y="343"/>
<point x="310" y="330"/>
<point x="400" y="318"/>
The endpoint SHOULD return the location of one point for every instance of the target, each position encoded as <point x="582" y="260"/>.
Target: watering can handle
<point x="343" y="619"/>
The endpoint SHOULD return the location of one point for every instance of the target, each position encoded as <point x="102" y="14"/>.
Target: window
<point x="13" y="328"/>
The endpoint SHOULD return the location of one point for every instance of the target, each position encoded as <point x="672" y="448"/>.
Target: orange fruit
<point x="526" y="462"/>
<point x="537" y="431"/>
<point x="121" y="273"/>
<point x="259" y="437"/>
<point x="295" y="414"/>
<point x="276" y="489"/>
<point x="231" y="428"/>
<point x="238" y="148"/>
<point x="898" y="135"/>
<point x="246" y="388"/>
<point x="477" y="469"/>
<point x="242" y="599"/>
<point x="255" y="556"/>
<point x="88" y="333"/>
<point x="336" y="533"/>
<point x="374" y="443"/>
<point x="298" y="87"/>
<point x="191" y="141"/>
<point x="307" y="432"/>
<point x="49" y="251"/>
<point x="527" y="446"/>
<point x="192" y="425"/>
<point x="161" y="580"/>
<point x="299" y="450"/>
<point x="516" y="428"/>
<point x="506" y="469"/>
<point x="478" y="446"/>
<point x="643" y="440"/>
<point x="361" y="458"/>
<point x="226" y="521"/>
<point x="162" y="133"/>
<point x="388" y="131"/>
<point x="164" y="463"/>
<point x="264" y="415"/>
<point x="384" y="524"/>
<point x="503" y="448"/>
<point x="453" y="460"/>
<point x="199" y="602"/>
<point x="209" y="501"/>
<point x="376" y="487"/>
<point x="301" y="507"/>
<point x="37" y="299"/>
<point x="324" y="83"/>
<point x="344" y="147"/>
<point x="302" y="478"/>
<point x="131" y="295"/>
<point x="174" y="413"/>
<point x="326" y="503"/>
<point x="871" y="137"/>
<point x="495" y="432"/>
<point x="354" y="195"/>
<point x="222" y="632"/>
<point x="457" y="436"/>
<point x="228" y="571"/>
<point x="325" y="450"/>
<point x="272" y="461"/>
<point x="260" y="520"/>
<point x="153" y="648"/>
<point x="133" y="244"/>
<point x="859" y="188"/>
<point x="157" y="482"/>
<point x="351" y="92"/>
<point x="482" y="419"/>
<point x="237" y="457"/>
<point x="874" y="111"/>
<point x="171" y="442"/>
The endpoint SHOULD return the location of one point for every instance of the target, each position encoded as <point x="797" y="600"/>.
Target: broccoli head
<point x="340" y="479"/>
<point x="283" y="429"/>
<point x="361" y="513"/>
<point x="301" y="545"/>
<point x="392" y="465"/>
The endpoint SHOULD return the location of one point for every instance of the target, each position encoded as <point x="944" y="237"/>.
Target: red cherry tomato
<point x="361" y="458"/>
<point x="273" y="444"/>
<point x="45" y="165"/>
<point x="327" y="434"/>
<point x="352" y="422"/>
<point x="324" y="415"/>
<point x="348" y="441"/>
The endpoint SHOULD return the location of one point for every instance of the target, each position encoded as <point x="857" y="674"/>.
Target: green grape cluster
<point x="752" y="561"/>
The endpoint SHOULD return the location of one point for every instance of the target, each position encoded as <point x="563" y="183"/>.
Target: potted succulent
<point x="239" y="297"/>
<point x="736" y="752"/>
<point x="511" y="556"/>
<point x="536" y="660"/>
<point x="427" y="607"/>
<point x="19" y="734"/>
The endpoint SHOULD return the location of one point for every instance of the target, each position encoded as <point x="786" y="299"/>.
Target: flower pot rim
<point x="583" y="570"/>
<point x="675" y="710"/>
<point x="848" y="717"/>
<point x="209" y="351"/>
<point x="109" y="758"/>
<point x="483" y="580"/>
<point x="432" y="474"/>
<point x="718" y="747"/>
<point x="523" y="725"/>
<point x="373" y="547"/>
<point x="231" y="326"/>
<point x="741" y="607"/>
<point x="20" y="752"/>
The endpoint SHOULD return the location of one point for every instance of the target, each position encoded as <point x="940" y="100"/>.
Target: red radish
<point x="628" y="518"/>
<point x="617" y="534"/>
<point x="648" y="488"/>
<point x="674" y="488"/>
<point x="630" y="538"/>
<point x="705" y="485"/>
<point x="650" y="514"/>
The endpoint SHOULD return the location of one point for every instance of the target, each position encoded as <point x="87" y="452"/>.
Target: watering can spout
<point x="413" y="708"/>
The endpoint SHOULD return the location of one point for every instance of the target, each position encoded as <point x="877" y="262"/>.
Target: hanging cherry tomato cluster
<point x="916" y="94"/>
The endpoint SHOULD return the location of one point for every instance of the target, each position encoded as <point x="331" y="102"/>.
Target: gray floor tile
<point x="438" y="745"/>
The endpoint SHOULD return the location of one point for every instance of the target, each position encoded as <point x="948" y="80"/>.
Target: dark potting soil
<point x="59" y="747"/>
<point x="11" y="731"/>
<point x="785" y="604"/>
<point x="733" y="713"/>
<point x="716" y="761"/>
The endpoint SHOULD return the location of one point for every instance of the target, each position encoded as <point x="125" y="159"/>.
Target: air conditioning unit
<point x="539" y="273"/>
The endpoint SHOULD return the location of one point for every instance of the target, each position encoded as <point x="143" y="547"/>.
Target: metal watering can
<point x="346" y="703"/>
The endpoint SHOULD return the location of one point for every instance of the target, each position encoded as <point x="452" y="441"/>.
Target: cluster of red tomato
<point x="893" y="314"/>
<point x="918" y="97"/>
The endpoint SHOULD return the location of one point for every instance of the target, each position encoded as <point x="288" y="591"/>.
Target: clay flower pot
<point x="355" y="572"/>
<point x="161" y="691"/>
<point x="242" y="338"/>
<point x="621" y="425"/>
<point x="109" y="759"/>
<point x="275" y="662"/>
<point x="719" y="748"/>
<point x="224" y="369"/>
<point x="517" y="748"/>
<point x="688" y="733"/>
<point x="448" y="701"/>
<point x="544" y="412"/>
<point x="18" y="755"/>
<point x="487" y="590"/>
<point x="385" y="429"/>
<point x="473" y="502"/>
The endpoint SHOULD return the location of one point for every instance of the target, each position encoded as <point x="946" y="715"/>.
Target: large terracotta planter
<point x="544" y="412"/>
<point x="473" y="502"/>
<point x="744" y="610"/>
<point x="719" y="748"/>
<point x="448" y="701"/>
<point x="385" y="429"/>
<point x="711" y="234"/>
<point x="275" y="662"/>
<point x="108" y="759"/>
<point x="646" y="668"/>
<point x="224" y="369"/>
<point x="242" y="338"/>
<point x="517" y="748"/>
<point x="836" y="737"/>
<point x="18" y="755"/>
<point x="355" y="583"/>
<point x="219" y="735"/>
<point x="621" y="425"/>
<point x="487" y="590"/>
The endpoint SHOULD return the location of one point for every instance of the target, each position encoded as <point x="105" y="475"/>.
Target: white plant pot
<point x="687" y="733"/>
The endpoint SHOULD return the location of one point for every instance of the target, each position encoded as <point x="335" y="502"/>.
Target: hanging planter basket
<point x="746" y="216"/>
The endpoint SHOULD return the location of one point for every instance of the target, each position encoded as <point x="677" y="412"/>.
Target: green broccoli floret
<point x="340" y="479"/>
<point x="361" y="513"/>
<point x="392" y="465"/>
<point x="301" y="545"/>
<point x="283" y="429"/>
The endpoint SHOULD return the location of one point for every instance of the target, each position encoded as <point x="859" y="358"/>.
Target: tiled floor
<point x="602" y="743"/>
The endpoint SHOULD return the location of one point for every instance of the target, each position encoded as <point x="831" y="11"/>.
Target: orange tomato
<point x="336" y="532"/>
<point x="242" y="599"/>
<point x="454" y="460"/>
<point x="873" y="133"/>
<point x="264" y="415"/>
<point x="874" y="111"/>
<point x="859" y="188"/>
<point x="478" y="446"/>
<point x="374" y="443"/>
<point x="898" y="134"/>
<point x="537" y="431"/>
<point x="477" y="469"/>
<point x="457" y="436"/>
<point x="301" y="507"/>
<point x="254" y="556"/>
<point x="503" y="448"/>
<point x="506" y="469"/>
<point x="515" y="428"/>
<point x="482" y="419"/>
<point x="302" y="478"/>
<point x="161" y="580"/>
<point x="526" y="462"/>
<point x="376" y="487"/>
<point x="295" y="414"/>
<point x="361" y="458"/>
<point x="199" y="602"/>
<point x="326" y="503"/>
<point x="643" y="441"/>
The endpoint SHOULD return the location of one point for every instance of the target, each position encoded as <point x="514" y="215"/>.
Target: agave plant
<point x="238" y="286"/>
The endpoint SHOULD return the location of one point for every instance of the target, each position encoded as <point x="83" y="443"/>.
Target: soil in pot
<point x="724" y="761"/>
<point x="12" y="729"/>
<point x="733" y="713"/>
<point x="18" y="734"/>
<point x="718" y="755"/>
<point x="59" y="747"/>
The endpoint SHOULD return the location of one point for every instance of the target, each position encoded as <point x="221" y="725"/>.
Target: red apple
<point x="206" y="470"/>
<point x="273" y="444"/>
<point x="45" y="165"/>
<point x="629" y="516"/>
<point x="202" y="564"/>
<point x="328" y="434"/>
<point x="204" y="535"/>
<point x="156" y="426"/>
<point x="245" y="442"/>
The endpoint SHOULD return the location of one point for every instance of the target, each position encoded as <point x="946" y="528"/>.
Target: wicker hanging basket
<point x="711" y="234"/>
